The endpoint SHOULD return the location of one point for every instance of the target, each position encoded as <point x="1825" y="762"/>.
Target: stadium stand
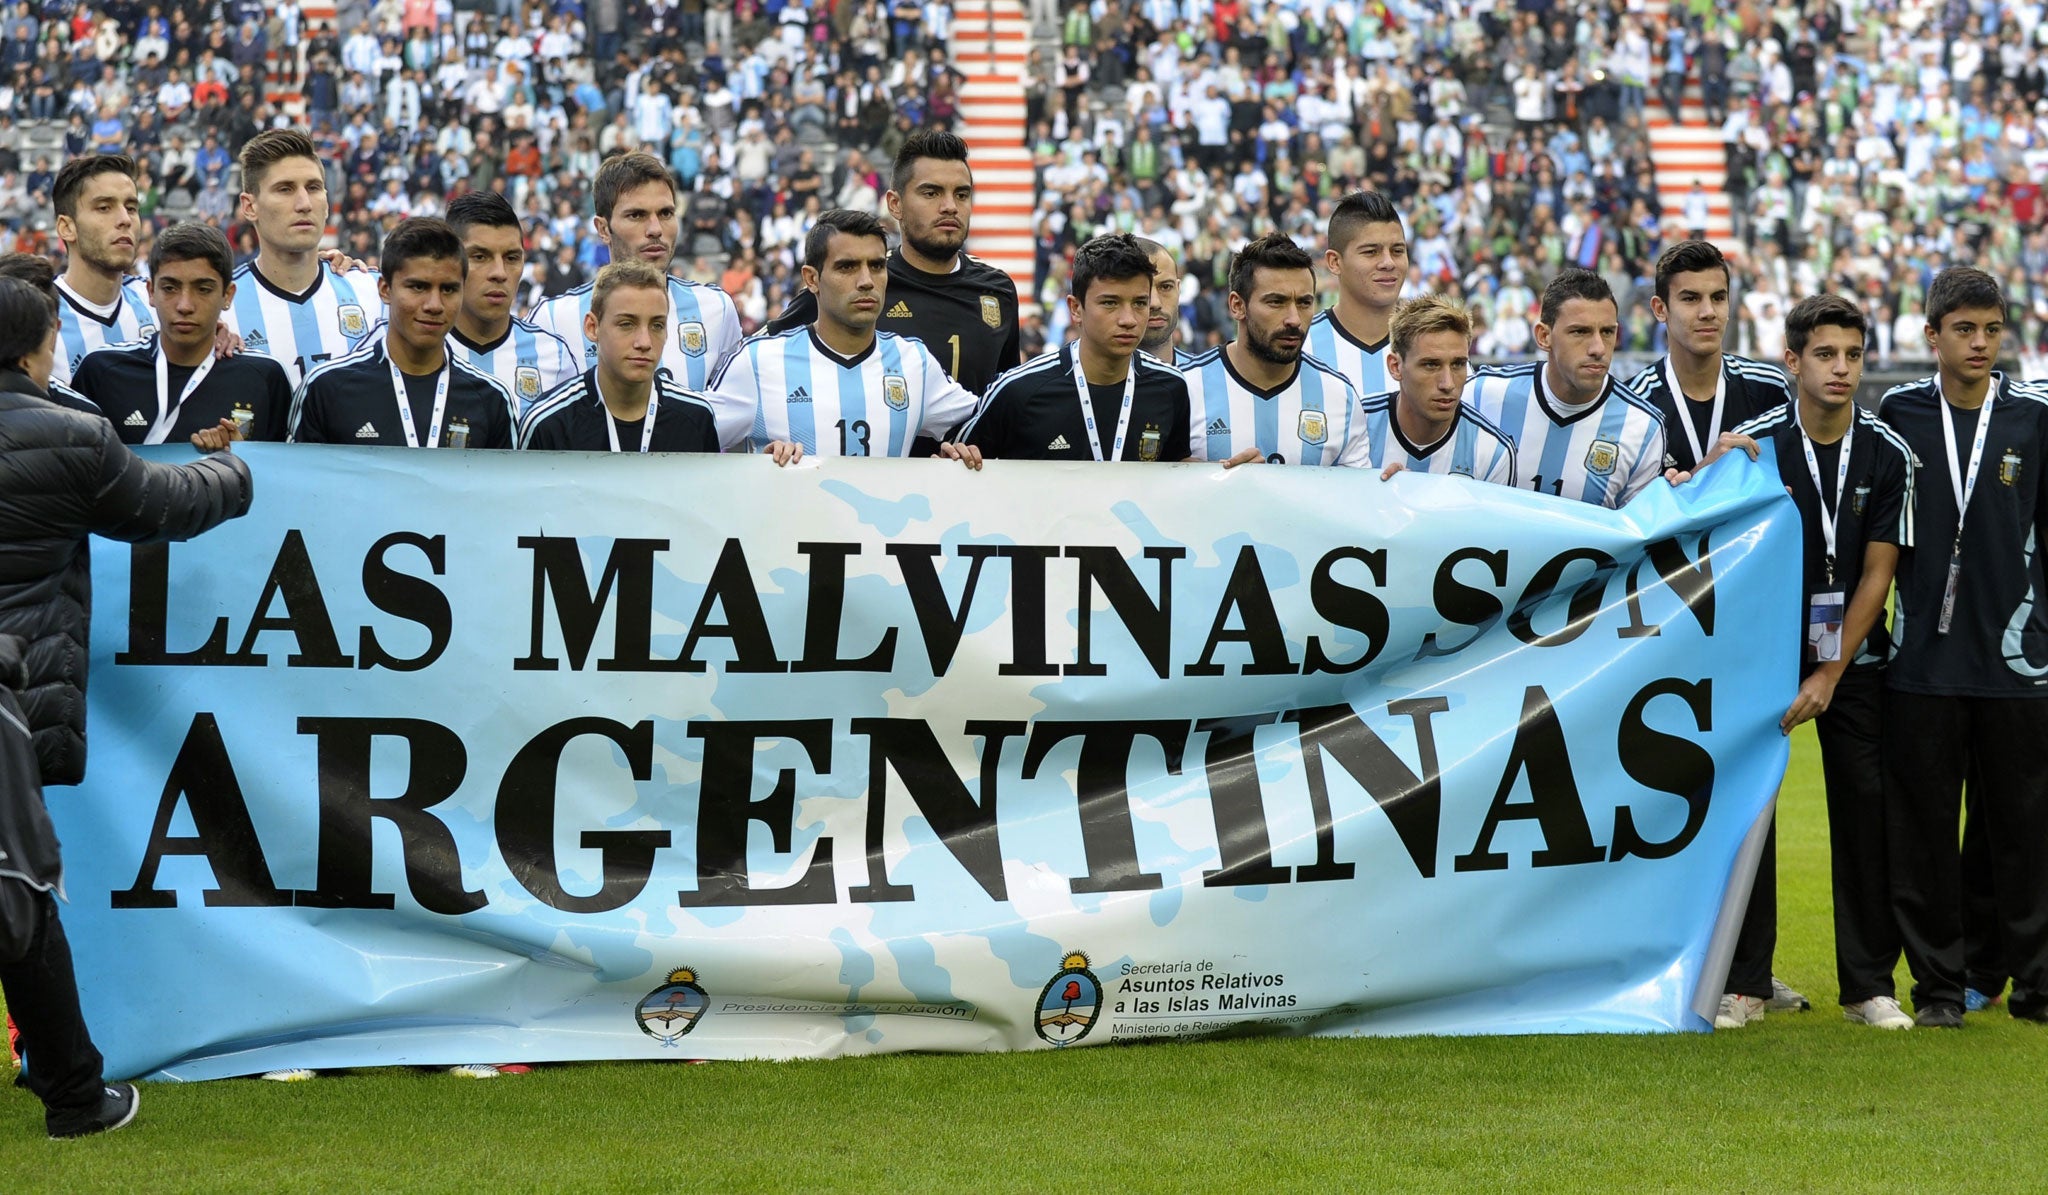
<point x="1811" y="139"/>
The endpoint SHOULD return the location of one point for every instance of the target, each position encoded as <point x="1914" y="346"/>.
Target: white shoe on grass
<point x="296" y="1074"/>
<point x="474" y="1070"/>
<point x="1878" y="1012"/>
<point x="1784" y="999"/>
<point x="1737" y="1011"/>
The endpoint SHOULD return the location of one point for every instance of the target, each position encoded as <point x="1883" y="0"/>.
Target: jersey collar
<point x="1552" y="408"/>
<point x="1262" y="392"/>
<point x="1418" y="451"/>
<point x="1337" y="326"/>
<point x="319" y="280"/>
<point x="818" y="342"/>
<point x="76" y="302"/>
<point x="455" y="334"/>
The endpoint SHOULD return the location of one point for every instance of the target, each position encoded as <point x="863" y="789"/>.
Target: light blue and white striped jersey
<point x="81" y="327"/>
<point x="1183" y="358"/>
<point x="1363" y="365"/>
<point x="1473" y="447"/>
<point x="703" y="329"/>
<point x="1604" y="453"/>
<point x="302" y="331"/>
<point x="875" y="404"/>
<point x="529" y="360"/>
<point x="1312" y="418"/>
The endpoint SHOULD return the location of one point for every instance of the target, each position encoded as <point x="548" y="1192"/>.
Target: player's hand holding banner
<point x="510" y="756"/>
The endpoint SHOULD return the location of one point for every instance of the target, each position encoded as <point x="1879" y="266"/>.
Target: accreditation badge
<point x="1824" y="615"/>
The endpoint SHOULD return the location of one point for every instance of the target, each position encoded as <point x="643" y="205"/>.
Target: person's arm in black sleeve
<point x="988" y="428"/>
<point x="500" y="425"/>
<point x="273" y="415"/>
<point x="802" y="310"/>
<point x="138" y="501"/>
<point x="304" y="425"/>
<point x="1012" y="354"/>
<point x="704" y="434"/>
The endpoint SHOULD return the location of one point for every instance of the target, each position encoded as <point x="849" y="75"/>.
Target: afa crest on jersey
<point x="352" y="320"/>
<point x="991" y="311"/>
<point x="1314" y="427"/>
<point x="895" y="391"/>
<point x="690" y="337"/>
<point x="2009" y="467"/>
<point x="526" y="380"/>
<point x="1602" y="457"/>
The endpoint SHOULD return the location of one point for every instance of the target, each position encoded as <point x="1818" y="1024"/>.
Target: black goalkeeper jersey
<point x="1997" y="644"/>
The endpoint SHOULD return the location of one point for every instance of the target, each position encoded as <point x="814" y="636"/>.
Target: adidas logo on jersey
<point x="367" y="431"/>
<point x="1218" y="427"/>
<point x="254" y="340"/>
<point x="1059" y="444"/>
<point x="900" y="311"/>
<point x="135" y="419"/>
<point x="800" y="395"/>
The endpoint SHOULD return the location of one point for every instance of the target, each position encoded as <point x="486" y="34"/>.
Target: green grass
<point x="1799" y="1102"/>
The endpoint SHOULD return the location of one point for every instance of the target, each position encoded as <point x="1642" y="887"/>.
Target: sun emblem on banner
<point x="1068" y="1006"/>
<point x="669" y="1012"/>
<point x="1602" y="457"/>
<point x="690" y="337"/>
<point x="353" y="321"/>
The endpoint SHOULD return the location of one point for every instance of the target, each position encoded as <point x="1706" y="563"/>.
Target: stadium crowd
<point x="1867" y="144"/>
<point x="1251" y="214"/>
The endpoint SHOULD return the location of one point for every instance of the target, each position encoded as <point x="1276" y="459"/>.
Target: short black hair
<point x="1962" y="288"/>
<point x="1822" y="311"/>
<point x="1688" y="257"/>
<point x="1354" y="212"/>
<point x="1115" y="257"/>
<point x="940" y="144"/>
<point x="1573" y="283"/>
<point x="26" y="316"/>
<point x="416" y="238"/>
<point x="1274" y="251"/>
<point x="72" y="178"/>
<point x="192" y="240"/>
<point x="33" y="268"/>
<point x="845" y="220"/>
<point x="486" y="208"/>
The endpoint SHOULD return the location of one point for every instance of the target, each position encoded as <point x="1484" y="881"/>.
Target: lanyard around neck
<point x="1829" y="515"/>
<point x="405" y="419"/>
<point x="1692" y="436"/>
<point x="611" y="425"/>
<point x="1123" y="419"/>
<point x="167" y="410"/>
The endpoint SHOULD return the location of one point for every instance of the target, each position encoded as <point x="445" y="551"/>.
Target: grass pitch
<point x="1799" y="1101"/>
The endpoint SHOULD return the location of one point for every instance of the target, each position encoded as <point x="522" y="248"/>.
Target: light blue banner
<point x="444" y="757"/>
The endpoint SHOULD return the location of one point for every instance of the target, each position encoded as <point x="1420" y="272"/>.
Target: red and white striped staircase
<point x="991" y="44"/>
<point x="1687" y="150"/>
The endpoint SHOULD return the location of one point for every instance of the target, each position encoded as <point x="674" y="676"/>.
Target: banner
<point x="443" y="757"/>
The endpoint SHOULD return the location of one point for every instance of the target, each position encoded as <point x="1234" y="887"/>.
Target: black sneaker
<point x="1939" y="1014"/>
<point x="117" y="1107"/>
